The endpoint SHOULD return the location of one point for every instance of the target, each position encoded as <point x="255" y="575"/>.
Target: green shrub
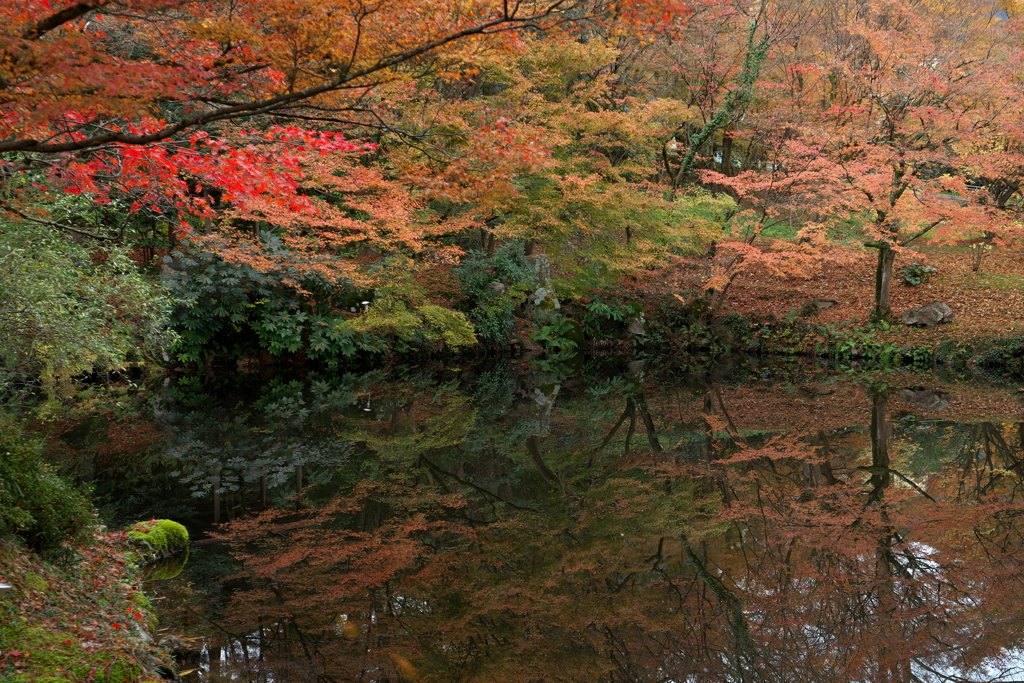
<point x="609" y="319"/>
<point x="562" y="338"/>
<point x="396" y="323"/>
<point x="36" y="503"/>
<point x="236" y="309"/>
<point x="68" y="308"/>
<point x="1003" y="356"/>
<point x="491" y="308"/>
<point x="915" y="274"/>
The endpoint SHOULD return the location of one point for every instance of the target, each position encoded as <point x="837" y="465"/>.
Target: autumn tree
<point x="247" y="116"/>
<point x="66" y="308"/>
<point x="574" y="138"/>
<point x="904" y="95"/>
<point x="722" y="58"/>
<point x="136" y="96"/>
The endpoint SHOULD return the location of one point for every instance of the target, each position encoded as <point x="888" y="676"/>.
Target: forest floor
<point x="988" y="304"/>
<point x="83" y="618"/>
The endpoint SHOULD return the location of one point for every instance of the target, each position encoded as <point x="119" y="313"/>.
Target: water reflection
<point x="624" y="527"/>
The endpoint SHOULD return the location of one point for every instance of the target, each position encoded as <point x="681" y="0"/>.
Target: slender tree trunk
<point x="533" y="448"/>
<point x="979" y="250"/>
<point x="886" y="256"/>
<point x="630" y="430"/>
<point x="626" y="413"/>
<point x="727" y="155"/>
<point x="744" y="655"/>
<point x="883" y="281"/>
<point x="216" y="498"/>
<point x="736" y="99"/>
<point x="892" y="658"/>
<point x="645" y="415"/>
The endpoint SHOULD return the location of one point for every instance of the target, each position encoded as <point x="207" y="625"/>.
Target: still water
<point x="625" y="521"/>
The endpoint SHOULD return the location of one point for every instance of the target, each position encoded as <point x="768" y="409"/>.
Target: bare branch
<point x="921" y="232"/>
<point x="272" y="104"/>
<point x="44" y="26"/>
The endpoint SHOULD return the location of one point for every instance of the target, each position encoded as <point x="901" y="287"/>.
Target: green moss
<point x="143" y="604"/>
<point x="140" y="600"/>
<point x="50" y="658"/>
<point x="158" y="538"/>
<point x="35" y="581"/>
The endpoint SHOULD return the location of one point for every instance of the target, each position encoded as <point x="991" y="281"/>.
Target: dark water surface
<point x="630" y="522"/>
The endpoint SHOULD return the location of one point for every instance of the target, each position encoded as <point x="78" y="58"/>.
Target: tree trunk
<point x="727" y="155"/>
<point x="645" y="414"/>
<point x="626" y="413"/>
<point x="216" y="500"/>
<point x="744" y="656"/>
<point x="533" y="448"/>
<point x="883" y="282"/>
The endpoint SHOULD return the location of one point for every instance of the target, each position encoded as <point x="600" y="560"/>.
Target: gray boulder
<point x="812" y="306"/>
<point x="636" y="327"/>
<point x="930" y="315"/>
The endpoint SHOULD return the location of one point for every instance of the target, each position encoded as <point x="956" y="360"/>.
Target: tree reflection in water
<point x="541" y="539"/>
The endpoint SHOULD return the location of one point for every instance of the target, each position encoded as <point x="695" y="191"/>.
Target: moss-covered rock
<point x="158" y="538"/>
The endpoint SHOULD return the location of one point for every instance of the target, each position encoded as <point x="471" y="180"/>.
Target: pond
<point x="630" y="521"/>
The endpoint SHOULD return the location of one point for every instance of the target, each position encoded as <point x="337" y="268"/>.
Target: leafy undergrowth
<point x="86" y="620"/>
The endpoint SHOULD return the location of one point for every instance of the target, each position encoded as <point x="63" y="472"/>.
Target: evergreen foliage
<point x="68" y="308"/>
<point x="494" y="287"/>
<point x="37" y="505"/>
<point x="236" y="308"/>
